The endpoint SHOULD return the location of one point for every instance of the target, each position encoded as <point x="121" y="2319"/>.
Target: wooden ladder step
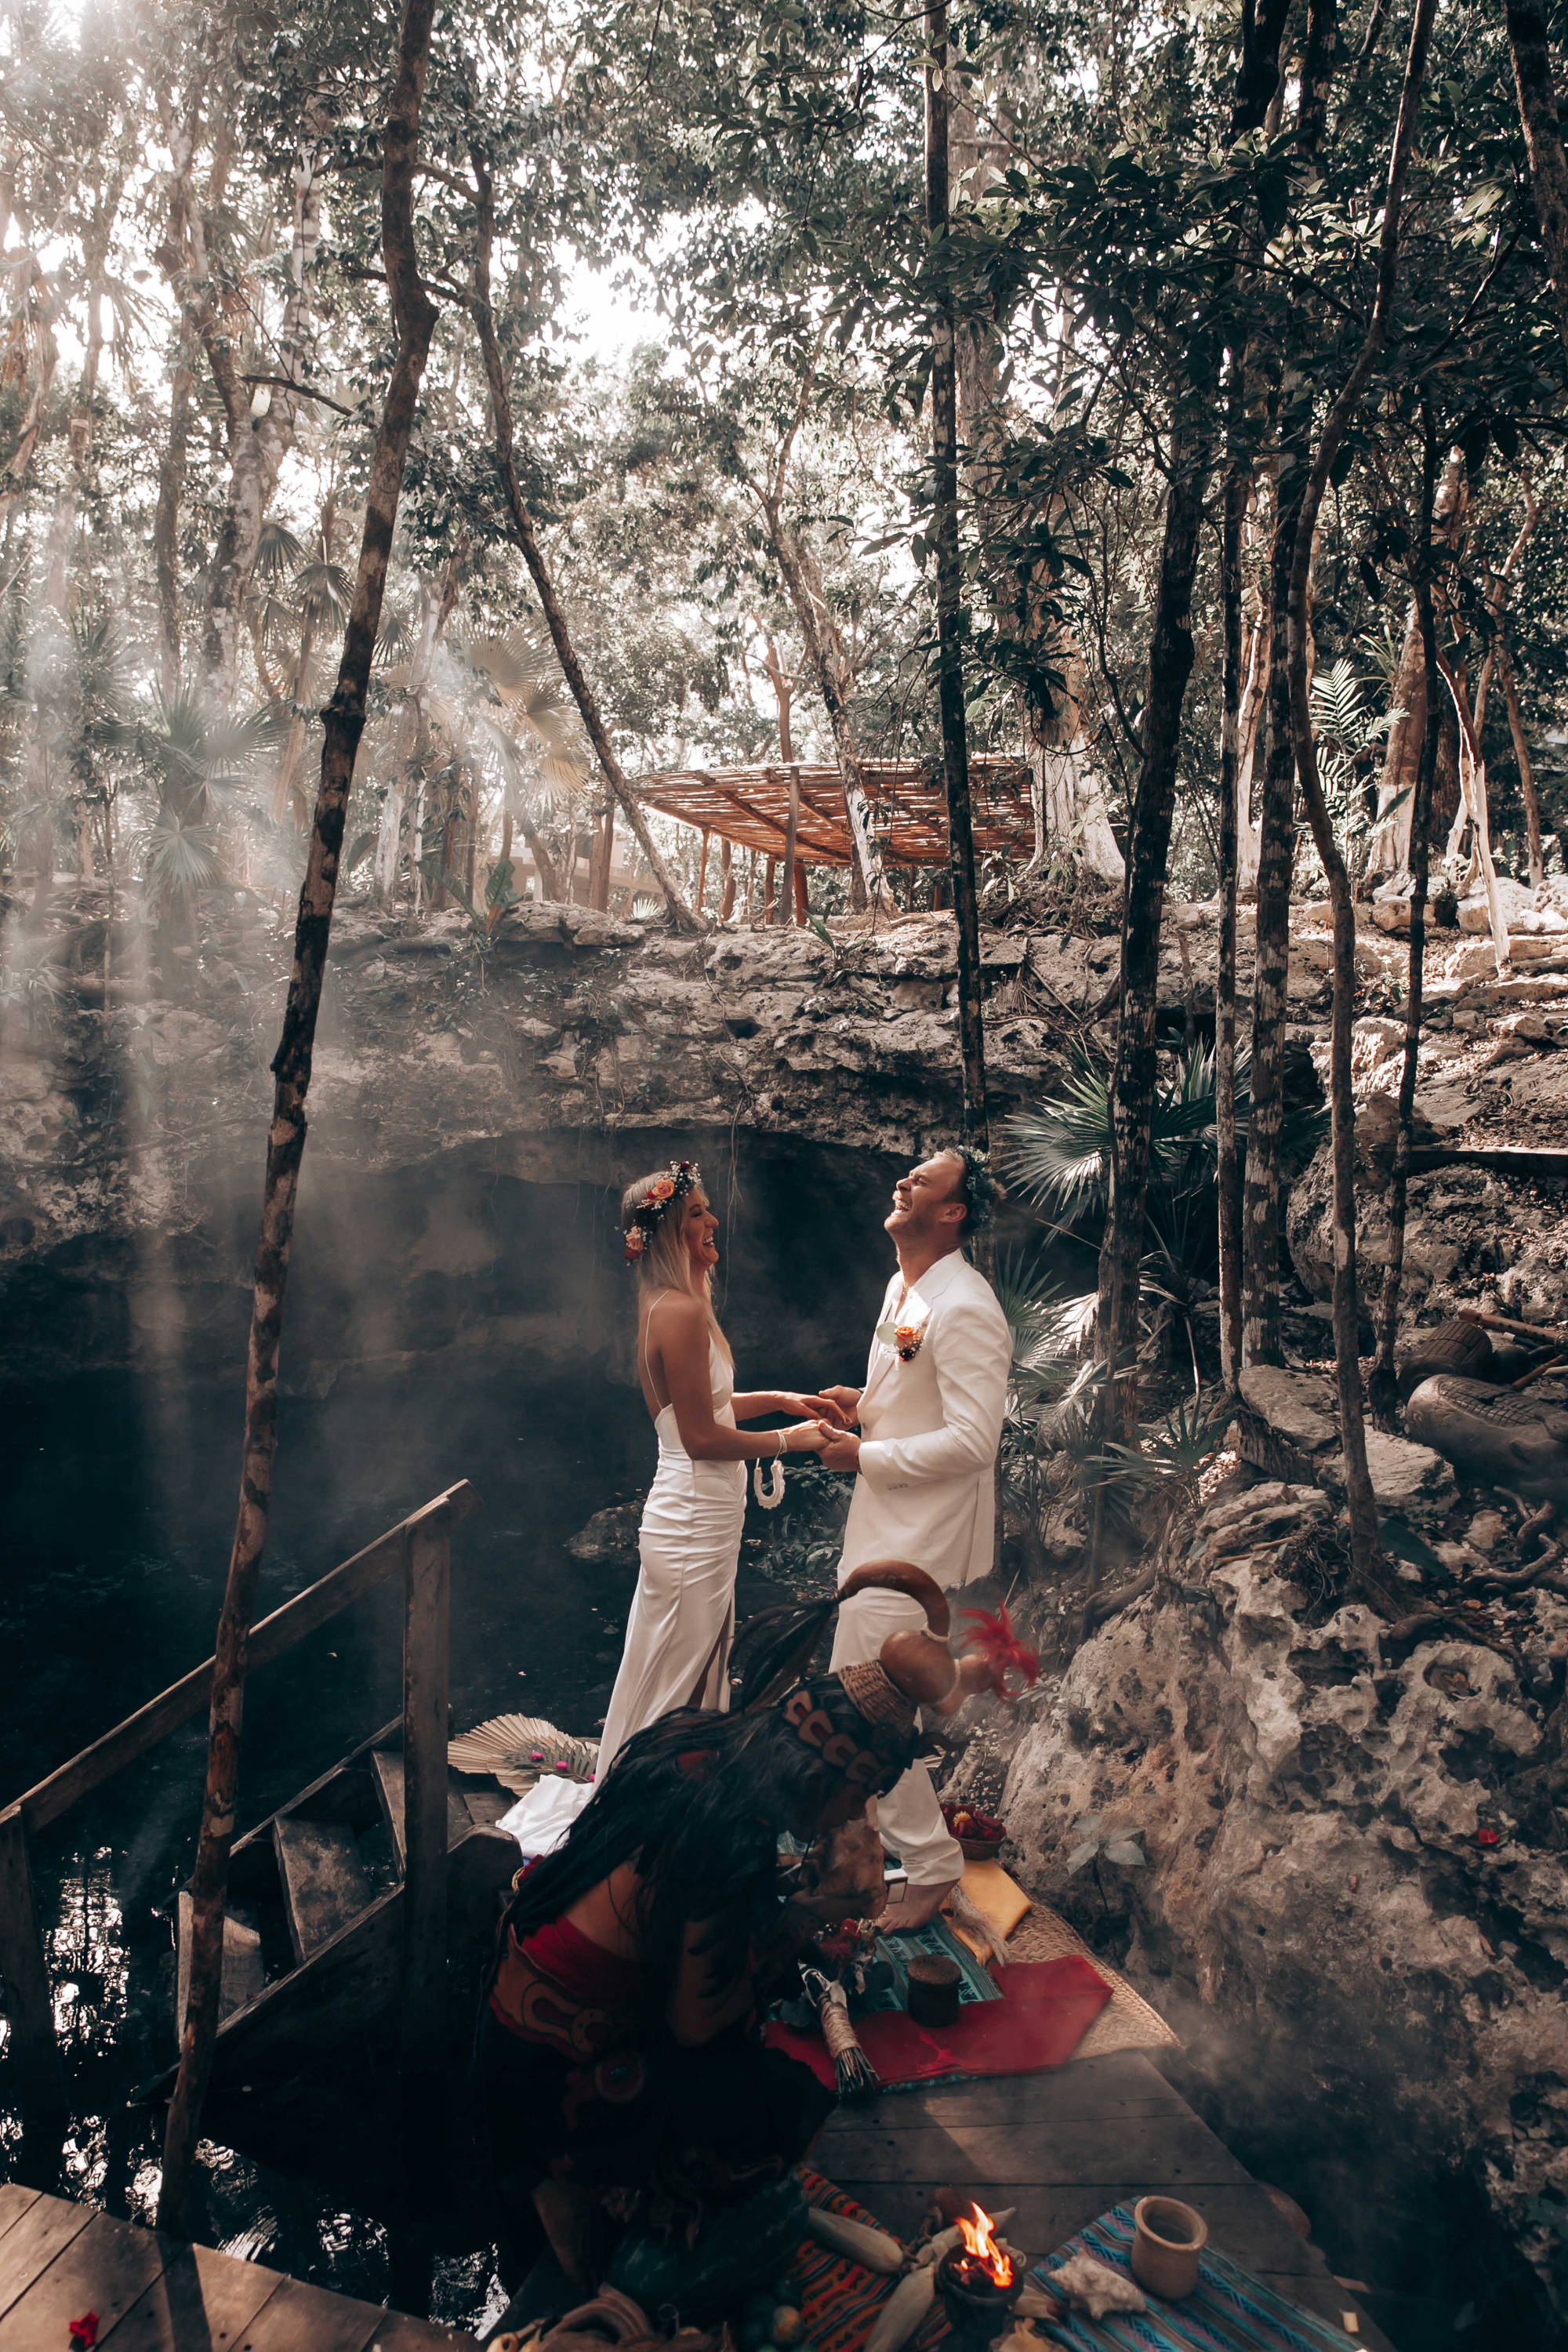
<point x="324" y="1884"/>
<point x="386" y="1763"/>
<point x="244" y="1975"/>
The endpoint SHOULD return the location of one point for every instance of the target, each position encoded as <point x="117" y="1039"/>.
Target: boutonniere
<point x="905" y="1340"/>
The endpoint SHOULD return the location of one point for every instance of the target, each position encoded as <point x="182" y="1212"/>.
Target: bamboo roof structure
<point x="749" y="806"/>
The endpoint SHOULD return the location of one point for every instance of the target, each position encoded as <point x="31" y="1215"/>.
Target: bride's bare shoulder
<point x="678" y="1312"/>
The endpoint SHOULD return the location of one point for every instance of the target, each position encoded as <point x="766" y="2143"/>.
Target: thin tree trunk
<point x="166" y="521"/>
<point x="1361" y="1502"/>
<point x="1526" y="772"/>
<point x="415" y="318"/>
<point x="825" y="651"/>
<point x="950" y="585"/>
<point x="572" y="670"/>
<point x="1237" y="490"/>
<point x="726" y="880"/>
<point x="1148" y="855"/>
<point x="1543" y="140"/>
<point x="1384" y="1386"/>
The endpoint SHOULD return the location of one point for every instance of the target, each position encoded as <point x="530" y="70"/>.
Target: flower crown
<point x="673" y="1185"/>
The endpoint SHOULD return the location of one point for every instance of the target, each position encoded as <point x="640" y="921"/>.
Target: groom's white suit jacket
<point x="930" y="1429"/>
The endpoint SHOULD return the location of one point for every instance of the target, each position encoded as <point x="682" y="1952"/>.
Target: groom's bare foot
<point x="912" y="1906"/>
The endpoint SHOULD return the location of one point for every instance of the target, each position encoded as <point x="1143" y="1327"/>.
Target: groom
<point x="930" y="1420"/>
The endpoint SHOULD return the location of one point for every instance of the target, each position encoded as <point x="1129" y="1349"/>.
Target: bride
<point x="683" y="1613"/>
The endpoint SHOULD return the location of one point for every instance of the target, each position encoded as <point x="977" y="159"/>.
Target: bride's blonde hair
<point x="660" y="1255"/>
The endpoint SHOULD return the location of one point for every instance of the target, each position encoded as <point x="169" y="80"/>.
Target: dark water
<point x="117" y="1516"/>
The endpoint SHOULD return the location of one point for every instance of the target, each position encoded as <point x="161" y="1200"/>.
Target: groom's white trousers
<point x="908" y="1817"/>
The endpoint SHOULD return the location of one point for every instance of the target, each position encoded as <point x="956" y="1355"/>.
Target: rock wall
<point x="1354" y="1909"/>
<point x="472" y="1118"/>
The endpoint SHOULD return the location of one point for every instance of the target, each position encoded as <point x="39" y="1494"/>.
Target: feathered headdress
<point x="994" y="1642"/>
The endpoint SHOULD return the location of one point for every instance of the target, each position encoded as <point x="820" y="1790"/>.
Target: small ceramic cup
<point x="1167" y="2238"/>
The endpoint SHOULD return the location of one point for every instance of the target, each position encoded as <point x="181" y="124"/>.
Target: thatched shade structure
<point x="749" y="806"/>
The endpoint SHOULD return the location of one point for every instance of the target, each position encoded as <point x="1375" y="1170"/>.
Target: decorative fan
<point x="519" y="1749"/>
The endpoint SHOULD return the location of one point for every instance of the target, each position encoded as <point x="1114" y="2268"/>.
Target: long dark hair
<point x="698" y="1802"/>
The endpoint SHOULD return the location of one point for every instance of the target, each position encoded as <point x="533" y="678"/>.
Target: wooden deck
<point x="153" y="2293"/>
<point x="1063" y="2147"/>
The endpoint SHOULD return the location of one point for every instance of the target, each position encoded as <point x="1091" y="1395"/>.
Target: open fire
<point x="982" y="2262"/>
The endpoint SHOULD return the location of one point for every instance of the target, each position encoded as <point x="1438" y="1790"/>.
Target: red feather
<point x="995" y="1641"/>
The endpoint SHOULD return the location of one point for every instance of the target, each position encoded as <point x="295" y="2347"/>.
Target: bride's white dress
<point x="683" y="1613"/>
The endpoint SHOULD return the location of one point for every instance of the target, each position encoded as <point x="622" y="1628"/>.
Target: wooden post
<point x="802" y="903"/>
<point x="426" y="1620"/>
<point x="702" y="873"/>
<point x="29" y="2007"/>
<point x="791" y="867"/>
<point x="769" y="906"/>
<point x="726" y="879"/>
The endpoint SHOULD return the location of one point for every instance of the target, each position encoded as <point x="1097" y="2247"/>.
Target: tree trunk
<point x="791" y="842"/>
<point x="1148" y="855"/>
<point x="1359" y="1500"/>
<point x="726" y="880"/>
<point x="572" y="670"/>
<point x="1384" y="1385"/>
<point x="1543" y="140"/>
<point x="602" y="857"/>
<point x="166" y="521"/>
<point x="415" y="318"/>
<point x="1261" y="1207"/>
<point x="835" y="679"/>
<point x="950" y="620"/>
<point x="1391" y="847"/>
<point x="1237" y="490"/>
<point x="1526" y="772"/>
<point x="262" y="424"/>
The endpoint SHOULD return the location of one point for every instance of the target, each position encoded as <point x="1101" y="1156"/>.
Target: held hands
<point x="840" y="1449"/>
<point x="824" y="1407"/>
<point x="848" y="1402"/>
<point x="805" y="1436"/>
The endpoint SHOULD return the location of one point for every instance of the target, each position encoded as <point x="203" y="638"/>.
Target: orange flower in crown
<point x="675" y="1182"/>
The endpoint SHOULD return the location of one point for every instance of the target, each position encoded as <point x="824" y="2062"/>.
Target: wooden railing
<point x="420" y="1546"/>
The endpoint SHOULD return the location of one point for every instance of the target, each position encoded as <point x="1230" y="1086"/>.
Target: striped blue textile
<point x="1230" y="2311"/>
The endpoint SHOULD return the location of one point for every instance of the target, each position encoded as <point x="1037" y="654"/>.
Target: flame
<point x="980" y="2247"/>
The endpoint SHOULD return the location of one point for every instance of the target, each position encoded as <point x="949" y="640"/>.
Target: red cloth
<point x="560" y="1987"/>
<point x="1047" y="2008"/>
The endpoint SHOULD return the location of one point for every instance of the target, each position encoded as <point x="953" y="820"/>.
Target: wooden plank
<point x="244" y="1972"/>
<point x="1121" y="2084"/>
<point x="386" y="1764"/>
<point x="29" y="2005"/>
<point x="103" y="2267"/>
<point x="300" y="2318"/>
<point x="324" y="1884"/>
<point x="274" y="1635"/>
<point x="42" y="2233"/>
<point x="1081" y="2149"/>
<point x="15" y="2201"/>
<point x="425" y="1788"/>
<point x="203" y="2302"/>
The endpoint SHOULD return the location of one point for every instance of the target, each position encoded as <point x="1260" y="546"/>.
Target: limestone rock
<point x="610" y="1537"/>
<point x="1319" y="1915"/>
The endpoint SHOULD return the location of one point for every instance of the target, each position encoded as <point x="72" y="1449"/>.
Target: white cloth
<point x="925" y="1492"/>
<point x="542" y="1816"/>
<point x="683" y="1613"/>
<point x="908" y="1817"/>
<point x="929" y="1430"/>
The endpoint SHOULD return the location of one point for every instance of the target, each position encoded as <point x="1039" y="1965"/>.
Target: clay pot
<point x="1167" y="2238"/>
<point x="933" y="1989"/>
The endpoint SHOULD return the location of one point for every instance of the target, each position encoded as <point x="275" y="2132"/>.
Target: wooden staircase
<point x="314" y="1931"/>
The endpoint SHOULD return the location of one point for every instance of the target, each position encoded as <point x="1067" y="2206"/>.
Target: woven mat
<point x="839" y="2301"/>
<point x="1231" y="2311"/>
<point x="1127" y="2021"/>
